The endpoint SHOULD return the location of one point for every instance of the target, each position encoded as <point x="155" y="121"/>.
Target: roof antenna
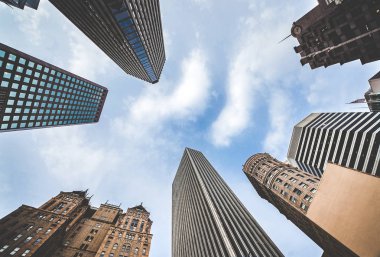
<point x="284" y="39"/>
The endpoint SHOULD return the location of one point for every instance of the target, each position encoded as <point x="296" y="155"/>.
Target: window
<point x="3" y="249"/>
<point x="102" y="254"/>
<point x="293" y="199"/>
<point x="278" y="180"/>
<point x="308" y="198"/>
<point x="304" y="207"/>
<point x="284" y="193"/>
<point x="17" y="237"/>
<point x="28" y="239"/>
<point x="134" y="224"/>
<point x="304" y="185"/>
<point x="48" y="231"/>
<point x="37" y="241"/>
<point x="26" y="252"/>
<point x="111" y="255"/>
<point x="115" y="246"/>
<point x="297" y="191"/>
<point x="144" y="251"/>
<point x="284" y="175"/>
<point x="107" y="244"/>
<point x="124" y="248"/>
<point x="313" y="190"/>
<point x="288" y="186"/>
<point x="293" y="180"/>
<point x="310" y="180"/>
<point x="142" y="226"/>
<point x="15" y="251"/>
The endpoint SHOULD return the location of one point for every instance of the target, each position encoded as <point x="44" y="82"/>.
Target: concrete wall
<point x="347" y="206"/>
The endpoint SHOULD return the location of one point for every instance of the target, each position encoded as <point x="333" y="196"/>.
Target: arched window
<point x="124" y="248"/>
<point x="136" y="251"/>
<point x="128" y="249"/>
<point x="115" y="246"/>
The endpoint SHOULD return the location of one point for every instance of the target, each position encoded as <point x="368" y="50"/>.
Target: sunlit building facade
<point x="129" y="32"/>
<point x="36" y="94"/>
<point x="325" y="209"/>
<point x="208" y="219"/>
<point x="349" y="139"/>
<point x="67" y="226"/>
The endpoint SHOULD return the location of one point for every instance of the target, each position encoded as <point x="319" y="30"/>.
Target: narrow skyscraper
<point x="36" y="94"/>
<point x="67" y="226"/>
<point x="208" y="219"/>
<point x="339" y="31"/>
<point x="349" y="139"/>
<point x="22" y="3"/>
<point x="342" y="223"/>
<point x="129" y="32"/>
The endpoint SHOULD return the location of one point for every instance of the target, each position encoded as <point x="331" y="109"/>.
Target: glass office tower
<point x="129" y="32"/>
<point x="35" y="94"/>
<point x="22" y="3"/>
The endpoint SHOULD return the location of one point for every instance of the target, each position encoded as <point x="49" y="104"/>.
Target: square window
<point x="7" y="75"/>
<point x="2" y="53"/>
<point x="31" y="64"/>
<point x="4" y="83"/>
<point x="9" y="66"/>
<point x="12" y="57"/>
<point x="22" y="61"/>
<point x="4" y="126"/>
<point x="6" y="118"/>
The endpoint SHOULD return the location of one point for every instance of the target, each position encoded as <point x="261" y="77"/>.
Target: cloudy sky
<point x="227" y="89"/>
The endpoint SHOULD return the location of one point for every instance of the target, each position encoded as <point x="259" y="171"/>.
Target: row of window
<point x="23" y="63"/>
<point x="14" y="250"/>
<point x="6" y="126"/>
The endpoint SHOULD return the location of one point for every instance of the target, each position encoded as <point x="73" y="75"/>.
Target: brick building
<point x="324" y="209"/>
<point x="67" y="226"/>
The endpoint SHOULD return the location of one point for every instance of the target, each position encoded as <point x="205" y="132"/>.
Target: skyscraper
<point x="22" y="3"/>
<point x="208" y="219"/>
<point x="341" y="223"/>
<point x="36" y="94"/>
<point x="68" y="226"/>
<point x="373" y="94"/>
<point x="129" y="32"/>
<point x="350" y="139"/>
<point x="339" y="31"/>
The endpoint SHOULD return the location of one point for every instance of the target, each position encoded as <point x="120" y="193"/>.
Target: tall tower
<point x="339" y="31"/>
<point x="22" y="3"/>
<point x="208" y="219"/>
<point x="350" y="139"/>
<point x="36" y="94"/>
<point x="68" y="226"/>
<point x="129" y="32"/>
<point x="323" y="209"/>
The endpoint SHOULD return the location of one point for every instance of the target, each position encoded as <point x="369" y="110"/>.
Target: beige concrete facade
<point x="347" y="205"/>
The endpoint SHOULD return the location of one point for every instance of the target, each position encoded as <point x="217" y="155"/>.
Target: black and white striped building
<point x="349" y="139"/>
<point x="208" y="219"/>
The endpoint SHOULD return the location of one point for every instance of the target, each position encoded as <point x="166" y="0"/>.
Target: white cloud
<point x="281" y="113"/>
<point x="260" y="62"/>
<point x="187" y="99"/>
<point x="31" y="20"/>
<point x="87" y="59"/>
<point x="73" y="158"/>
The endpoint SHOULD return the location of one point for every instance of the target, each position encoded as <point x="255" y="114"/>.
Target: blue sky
<point x="227" y="89"/>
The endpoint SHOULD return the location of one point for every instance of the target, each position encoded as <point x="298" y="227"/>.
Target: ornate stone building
<point x="303" y="198"/>
<point x="67" y="226"/>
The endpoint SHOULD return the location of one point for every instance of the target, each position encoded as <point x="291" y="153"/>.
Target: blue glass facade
<point x="34" y="94"/>
<point x="125" y="21"/>
<point x="22" y="3"/>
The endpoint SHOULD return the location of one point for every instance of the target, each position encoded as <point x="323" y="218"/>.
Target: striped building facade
<point x="208" y="219"/>
<point x="349" y="139"/>
<point x="129" y="32"/>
